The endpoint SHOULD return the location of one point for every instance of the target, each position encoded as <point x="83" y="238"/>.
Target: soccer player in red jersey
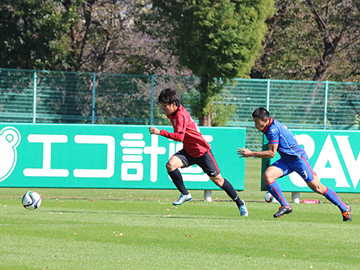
<point x="195" y="149"/>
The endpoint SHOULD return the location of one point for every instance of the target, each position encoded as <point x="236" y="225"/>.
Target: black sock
<point x="178" y="181"/>
<point x="229" y="189"/>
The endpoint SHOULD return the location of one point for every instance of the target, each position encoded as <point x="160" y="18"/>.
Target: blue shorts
<point x="206" y="162"/>
<point x="299" y="165"/>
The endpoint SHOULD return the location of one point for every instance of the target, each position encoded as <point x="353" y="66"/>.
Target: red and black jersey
<point x="187" y="132"/>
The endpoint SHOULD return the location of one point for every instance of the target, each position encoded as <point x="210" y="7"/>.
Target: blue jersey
<point x="288" y="147"/>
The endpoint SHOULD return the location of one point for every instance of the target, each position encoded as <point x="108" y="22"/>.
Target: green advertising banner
<point x="107" y="156"/>
<point x="334" y="156"/>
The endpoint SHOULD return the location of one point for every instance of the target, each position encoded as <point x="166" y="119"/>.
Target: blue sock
<point x="331" y="195"/>
<point x="275" y="189"/>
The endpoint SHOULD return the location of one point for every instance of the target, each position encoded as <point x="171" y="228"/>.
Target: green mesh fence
<point x="16" y="96"/>
<point x="30" y="96"/>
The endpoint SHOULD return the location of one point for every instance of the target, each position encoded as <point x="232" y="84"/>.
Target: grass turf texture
<point x="141" y="229"/>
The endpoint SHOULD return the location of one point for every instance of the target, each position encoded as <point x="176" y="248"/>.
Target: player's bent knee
<point x="271" y="174"/>
<point x="321" y="190"/>
<point x="170" y="167"/>
<point x="317" y="188"/>
<point x="267" y="179"/>
<point x="217" y="180"/>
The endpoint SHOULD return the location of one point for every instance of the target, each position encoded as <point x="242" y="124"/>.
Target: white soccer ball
<point x="31" y="200"/>
<point x="269" y="197"/>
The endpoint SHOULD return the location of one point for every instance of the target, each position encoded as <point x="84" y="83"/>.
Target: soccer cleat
<point x="243" y="210"/>
<point x="183" y="198"/>
<point x="282" y="211"/>
<point x="347" y="214"/>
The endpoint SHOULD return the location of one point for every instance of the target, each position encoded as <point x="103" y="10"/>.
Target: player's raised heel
<point x="243" y="210"/>
<point x="183" y="198"/>
<point x="283" y="210"/>
<point x="347" y="214"/>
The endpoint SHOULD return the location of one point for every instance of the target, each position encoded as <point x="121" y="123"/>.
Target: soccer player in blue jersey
<point x="293" y="158"/>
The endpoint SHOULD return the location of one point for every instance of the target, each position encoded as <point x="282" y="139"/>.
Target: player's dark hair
<point x="169" y="96"/>
<point x="261" y="113"/>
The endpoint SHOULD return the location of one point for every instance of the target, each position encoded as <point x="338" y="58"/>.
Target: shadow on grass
<point x="170" y="216"/>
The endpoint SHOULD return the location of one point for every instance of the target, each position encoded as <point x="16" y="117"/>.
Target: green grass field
<point x="141" y="229"/>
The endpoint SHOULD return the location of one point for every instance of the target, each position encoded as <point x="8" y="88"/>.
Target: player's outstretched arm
<point x="154" y="130"/>
<point x="243" y="152"/>
<point x="179" y="137"/>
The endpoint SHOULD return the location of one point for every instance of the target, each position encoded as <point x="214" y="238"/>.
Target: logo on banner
<point x="132" y="166"/>
<point x="133" y="147"/>
<point x="9" y="140"/>
<point x="327" y="164"/>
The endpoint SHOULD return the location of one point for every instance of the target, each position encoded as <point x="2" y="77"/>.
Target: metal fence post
<point x="93" y="101"/>
<point x="152" y="100"/>
<point x="268" y="94"/>
<point x="34" y="98"/>
<point x="326" y="101"/>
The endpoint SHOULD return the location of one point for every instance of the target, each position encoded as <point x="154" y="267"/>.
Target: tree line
<point x="212" y="40"/>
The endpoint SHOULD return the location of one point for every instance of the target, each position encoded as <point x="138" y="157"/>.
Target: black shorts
<point x="206" y="162"/>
